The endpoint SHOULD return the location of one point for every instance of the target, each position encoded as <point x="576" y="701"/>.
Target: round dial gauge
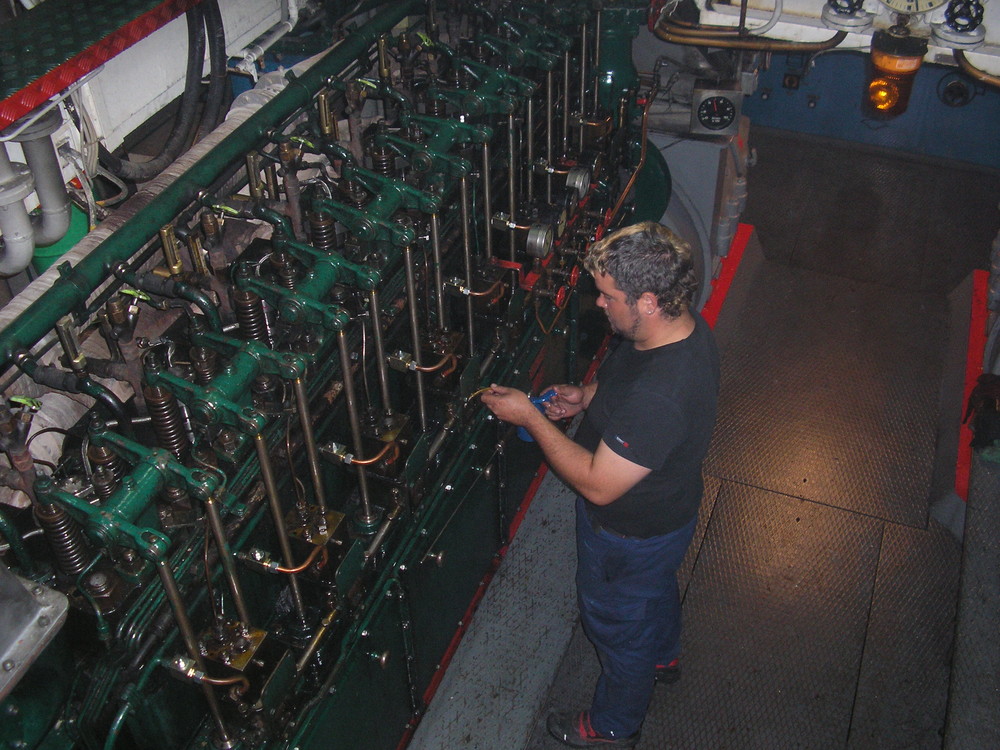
<point x="911" y="7"/>
<point x="716" y="112"/>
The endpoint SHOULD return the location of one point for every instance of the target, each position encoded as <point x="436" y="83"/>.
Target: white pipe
<point x="775" y="15"/>
<point x="52" y="223"/>
<point x="15" y="224"/>
<point x="252" y="52"/>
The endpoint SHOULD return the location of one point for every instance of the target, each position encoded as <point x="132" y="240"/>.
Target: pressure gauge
<point x="715" y="111"/>
<point x="912" y="7"/>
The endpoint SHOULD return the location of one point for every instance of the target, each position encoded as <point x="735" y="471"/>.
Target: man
<point x="636" y="466"/>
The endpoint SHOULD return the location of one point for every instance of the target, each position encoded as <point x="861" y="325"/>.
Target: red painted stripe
<point x="973" y="369"/>
<point x="721" y="284"/>
<point x="59" y="78"/>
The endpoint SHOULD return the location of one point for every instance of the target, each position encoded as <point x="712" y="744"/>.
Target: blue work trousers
<point x="631" y="611"/>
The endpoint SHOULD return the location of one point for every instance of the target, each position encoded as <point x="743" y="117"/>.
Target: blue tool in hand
<point x="539" y="402"/>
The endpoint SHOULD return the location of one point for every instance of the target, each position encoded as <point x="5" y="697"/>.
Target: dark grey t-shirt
<point x="656" y="408"/>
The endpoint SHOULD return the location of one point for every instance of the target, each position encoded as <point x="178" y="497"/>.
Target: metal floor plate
<point x="830" y="391"/>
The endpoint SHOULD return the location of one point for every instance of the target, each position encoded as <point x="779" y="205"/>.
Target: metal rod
<point x="380" y="361"/>
<point x="549" y="114"/>
<point x="467" y="259"/>
<point x="596" y="70"/>
<point x="583" y="79"/>
<point x="530" y="148"/>
<point x="487" y="201"/>
<point x="191" y="642"/>
<point x="511" y="183"/>
<point x="305" y="420"/>
<point x="565" y="110"/>
<point x="366" y="516"/>
<point x="278" y="518"/>
<point x="438" y="280"/>
<point x="411" y="296"/>
<point x="226" y="558"/>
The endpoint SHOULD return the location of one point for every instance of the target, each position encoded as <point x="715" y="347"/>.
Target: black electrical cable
<point x="213" y="113"/>
<point x="185" y="122"/>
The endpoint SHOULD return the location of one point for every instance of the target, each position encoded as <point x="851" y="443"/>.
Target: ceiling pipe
<point x="727" y="37"/>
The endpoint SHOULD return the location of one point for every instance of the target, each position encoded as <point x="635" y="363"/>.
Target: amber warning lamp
<point x="896" y="57"/>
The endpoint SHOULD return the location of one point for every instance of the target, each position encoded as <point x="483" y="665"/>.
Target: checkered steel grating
<point x="45" y="50"/>
<point x="830" y="391"/>
<point x="903" y="685"/>
<point x="775" y="621"/>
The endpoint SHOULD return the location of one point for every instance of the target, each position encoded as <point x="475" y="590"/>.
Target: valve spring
<point x="284" y="267"/>
<point x="105" y="482"/>
<point x="355" y="194"/>
<point x="65" y="538"/>
<point x="174" y="495"/>
<point x="436" y="107"/>
<point x="383" y="160"/>
<point x="414" y="134"/>
<point x="205" y="363"/>
<point x="250" y="315"/>
<point x="264" y="390"/>
<point x="165" y="414"/>
<point x="103" y="457"/>
<point x="324" y="232"/>
<point x="480" y="53"/>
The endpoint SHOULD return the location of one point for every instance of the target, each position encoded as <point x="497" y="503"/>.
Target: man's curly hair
<point x="647" y="257"/>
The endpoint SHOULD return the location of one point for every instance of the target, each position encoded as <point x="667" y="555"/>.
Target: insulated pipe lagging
<point x="15" y="224"/>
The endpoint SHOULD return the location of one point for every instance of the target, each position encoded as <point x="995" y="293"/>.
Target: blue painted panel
<point x="835" y="87"/>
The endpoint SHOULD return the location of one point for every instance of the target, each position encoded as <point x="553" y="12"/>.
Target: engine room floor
<point x="820" y="592"/>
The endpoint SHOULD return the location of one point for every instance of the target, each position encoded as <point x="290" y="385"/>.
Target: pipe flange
<point x="943" y="36"/>
<point x="43" y="126"/>
<point x="18" y="186"/>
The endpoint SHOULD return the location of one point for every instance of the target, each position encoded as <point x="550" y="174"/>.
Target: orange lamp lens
<point x="882" y="94"/>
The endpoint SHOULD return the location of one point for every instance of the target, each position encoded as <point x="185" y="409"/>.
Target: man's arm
<point x="602" y="476"/>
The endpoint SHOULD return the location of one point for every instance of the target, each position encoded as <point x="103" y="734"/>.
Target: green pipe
<point x="78" y="283"/>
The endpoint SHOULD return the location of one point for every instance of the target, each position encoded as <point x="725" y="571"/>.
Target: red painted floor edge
<point x="973" y="369"/>
<point x="720" y="288"/>
<point x="721" y="284"/>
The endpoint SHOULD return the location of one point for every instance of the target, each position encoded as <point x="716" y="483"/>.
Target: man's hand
<point x="569" y="401"/>
<point x="510" y="405"/>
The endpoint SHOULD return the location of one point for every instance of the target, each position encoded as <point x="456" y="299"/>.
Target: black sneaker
<point x="574" y="729"/>
<point x="668" y="674"/>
